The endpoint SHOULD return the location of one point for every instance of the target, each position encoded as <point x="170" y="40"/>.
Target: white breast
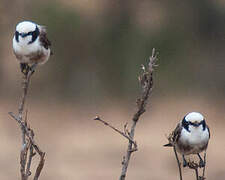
<point x="22" y="47"/>
<point x="196" y="136"/>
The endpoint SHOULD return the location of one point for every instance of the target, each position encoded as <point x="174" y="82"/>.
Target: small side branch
<point x="124" y="134"/>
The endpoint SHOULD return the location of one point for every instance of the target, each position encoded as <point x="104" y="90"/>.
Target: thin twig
<point x="126" y="160"/>
<point x="24" y="150"/>
<point x="146" y="81"/>
<point x="31" y="155"/>
<point x="36" y="147"/>
<point x="115" y="129"/>
<point x="25" y="85"/>
<point x="178" y="162"/>
<point x="28" y="144"/>
<point x="196" y="174"/>
<point x="40" y="166"/>
<point x="23" y="159"/>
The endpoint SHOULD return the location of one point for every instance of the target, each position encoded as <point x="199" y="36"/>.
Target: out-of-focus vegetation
<point x="99" y="45"/>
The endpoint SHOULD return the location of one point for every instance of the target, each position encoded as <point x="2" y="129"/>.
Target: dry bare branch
<point x="29" y="147"/>
<point x="97" y="118"/>
<point x="146" y="82"/>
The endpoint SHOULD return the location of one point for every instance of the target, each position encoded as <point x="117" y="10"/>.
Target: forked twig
<point x="146" y="82"/>
<point x="28" y="143"/>
<point x="97" y="118"/>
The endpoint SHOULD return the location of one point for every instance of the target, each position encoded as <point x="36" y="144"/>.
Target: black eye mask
<point x="186" y="124"/>
<point x="17" y="36"/>
<point x="34" y="35"/>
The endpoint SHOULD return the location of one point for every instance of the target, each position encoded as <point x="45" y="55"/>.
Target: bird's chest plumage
<point x="30" y="52"/>
<point x="193" y="141"/>
<point x="24" y="47"/>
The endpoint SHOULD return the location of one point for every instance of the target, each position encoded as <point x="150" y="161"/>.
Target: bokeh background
<point x="99" y="46"/>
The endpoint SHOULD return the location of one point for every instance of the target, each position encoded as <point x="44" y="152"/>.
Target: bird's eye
<point x="17" y="36"/>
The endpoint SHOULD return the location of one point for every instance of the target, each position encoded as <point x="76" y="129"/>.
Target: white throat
<point x="23" y="46"/>
<point x="195" y="135"/>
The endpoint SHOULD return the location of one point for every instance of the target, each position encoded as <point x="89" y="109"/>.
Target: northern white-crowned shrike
<point x="191" y="136"/>
<point x="31" y="45"/>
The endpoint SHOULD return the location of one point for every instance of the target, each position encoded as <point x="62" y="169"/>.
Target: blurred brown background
<point x="98" y="48"/>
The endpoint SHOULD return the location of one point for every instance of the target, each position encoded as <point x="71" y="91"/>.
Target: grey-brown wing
<point x="176" y="133"/>
<point x="43" y="38"/>
<point x="174" y="136"/>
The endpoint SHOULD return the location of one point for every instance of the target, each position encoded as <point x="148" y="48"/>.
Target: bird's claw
<point x="25" y="68"/>
<point x="184" y="162"/>
<point x="201" y="163"/>
<point x="33" y="67"/>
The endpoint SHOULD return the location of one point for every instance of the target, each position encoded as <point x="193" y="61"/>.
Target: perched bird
<point x="191" y="136"/>
<point x="31" y="45"/>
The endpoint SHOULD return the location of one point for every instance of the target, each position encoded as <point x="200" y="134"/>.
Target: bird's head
<point x="194" y="119"/>
<point x="27" y="31"/>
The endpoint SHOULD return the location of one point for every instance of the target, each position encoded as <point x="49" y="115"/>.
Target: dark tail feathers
<point x="168" y="145"/>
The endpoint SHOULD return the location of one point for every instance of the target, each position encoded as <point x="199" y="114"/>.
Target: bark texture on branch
<point x="146" y="82"/>
<point x="29" y="147"/>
